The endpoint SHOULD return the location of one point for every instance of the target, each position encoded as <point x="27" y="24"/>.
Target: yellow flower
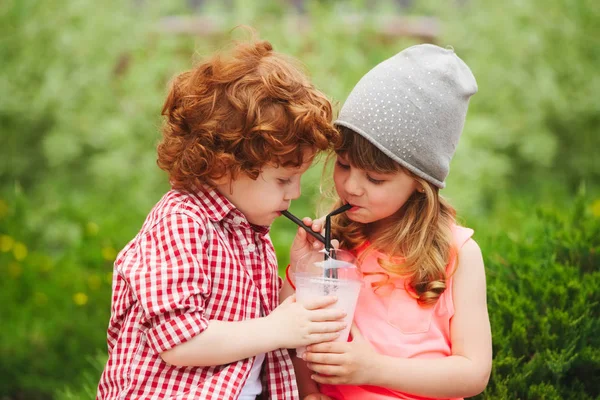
<point x="46" y="264"/>
<point x="94" y="282"/>
<point x="6" y="243"/>
<point x="92" y="228"/>
<point x="40" y="298"/>
<point x="20" y="251"/>
<point x="3" y="209"/>
<point x="80" y="299"/>
<point x="109" y="253"/>
<point x="15" y="270"/>
<point x="596" y="208"/>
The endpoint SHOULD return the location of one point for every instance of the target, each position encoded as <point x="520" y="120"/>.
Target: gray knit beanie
<point x="413" y="107"/>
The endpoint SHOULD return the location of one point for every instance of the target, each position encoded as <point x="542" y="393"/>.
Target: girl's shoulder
<point x="461" y="235"/>
<point x="462" y="243"/>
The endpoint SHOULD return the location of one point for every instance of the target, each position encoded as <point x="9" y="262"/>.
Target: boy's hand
<point x="294" y="324"/>
<point x="342" y="363"/>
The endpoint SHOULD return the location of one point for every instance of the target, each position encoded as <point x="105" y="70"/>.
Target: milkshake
<point x="316" y="277"/>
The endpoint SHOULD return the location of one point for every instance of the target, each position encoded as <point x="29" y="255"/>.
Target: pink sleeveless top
<point x="395" y="325"/>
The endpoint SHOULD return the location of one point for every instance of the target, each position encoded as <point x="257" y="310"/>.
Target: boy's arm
<point x="290" y="325"/>
<point x="171" y="285"/>
<point x="225" y="342"/>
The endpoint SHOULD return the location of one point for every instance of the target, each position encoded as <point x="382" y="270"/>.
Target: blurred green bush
<point x="543" y="277"/>
<point x="536" y="115"/>
<point x="81" y="88"/>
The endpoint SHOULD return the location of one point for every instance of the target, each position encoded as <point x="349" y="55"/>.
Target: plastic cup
<point x="337" y="276"/>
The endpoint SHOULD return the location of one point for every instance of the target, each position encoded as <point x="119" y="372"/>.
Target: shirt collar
<point x="218" y="207"/>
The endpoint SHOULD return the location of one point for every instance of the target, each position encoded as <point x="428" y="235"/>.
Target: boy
<point x="195" y="293"/>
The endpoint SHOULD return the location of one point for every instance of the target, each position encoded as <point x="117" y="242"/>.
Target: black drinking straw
<point x="333" y="272"/>
<point x="302" y="225"/>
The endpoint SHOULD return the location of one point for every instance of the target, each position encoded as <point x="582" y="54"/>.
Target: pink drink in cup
<point x="337" y="275"/>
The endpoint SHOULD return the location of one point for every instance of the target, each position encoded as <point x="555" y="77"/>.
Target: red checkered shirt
<point x="196" y="259"/>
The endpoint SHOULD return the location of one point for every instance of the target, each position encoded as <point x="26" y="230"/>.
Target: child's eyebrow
<point x="291" y="171"/>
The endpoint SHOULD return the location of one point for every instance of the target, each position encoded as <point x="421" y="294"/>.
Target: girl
<point x="421" y="326"/>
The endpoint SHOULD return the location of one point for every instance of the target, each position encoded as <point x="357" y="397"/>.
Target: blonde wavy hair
<point x="420" y="245"/>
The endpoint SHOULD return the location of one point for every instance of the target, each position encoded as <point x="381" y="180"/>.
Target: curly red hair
<point x="237" y="112"/>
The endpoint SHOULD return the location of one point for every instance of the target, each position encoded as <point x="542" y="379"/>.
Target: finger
<point x="322" y="337"/>
<point x="327" y="327"/>
<point x="323" y="358"/>
<point x="301" y="241"/>
<point x="328" y="314"/>
<point x="317" y="226"/>
<point x="329" y="347"/>
<point x="319" y="302"/>
<point x="289" y="299"/>
<point x="307" y="239"/>
<point x="320" y="222"/>
<point x="307" y="221"/>
<point x="335" y="244"/>
<point x="324" y="369"/>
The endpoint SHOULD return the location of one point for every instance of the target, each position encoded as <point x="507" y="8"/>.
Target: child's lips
<point x="354" y="207"/>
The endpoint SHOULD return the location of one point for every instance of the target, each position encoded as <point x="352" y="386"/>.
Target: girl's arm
<point x="463" y="374"/>
<point x="306" y="385"/>
<point x="302" y="244"/>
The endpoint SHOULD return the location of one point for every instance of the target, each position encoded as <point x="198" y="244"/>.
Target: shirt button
<point x="237" y="220"/>
<point x="251" y="247"/>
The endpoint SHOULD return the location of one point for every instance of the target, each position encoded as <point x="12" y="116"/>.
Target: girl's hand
<point x="303" y="242"/>
<point x="318" y="225"/>
<point x="342" y="363"/>
<point x="317" y="396"/>
<point x="295" y="324"/>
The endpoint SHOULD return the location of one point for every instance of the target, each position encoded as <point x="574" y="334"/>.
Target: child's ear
<point x="222" y="180"/>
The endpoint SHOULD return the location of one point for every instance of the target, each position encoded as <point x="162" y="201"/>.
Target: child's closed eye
<point x="342" y="165"/>
<point x="375" y="181"/>
<point x="284" y="181"/>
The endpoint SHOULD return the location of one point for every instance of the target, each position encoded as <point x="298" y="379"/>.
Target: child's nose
<point x="293" y="192"/>
<point x="352" y="185"/>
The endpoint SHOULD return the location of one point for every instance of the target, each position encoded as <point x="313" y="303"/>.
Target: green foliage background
<point x="81" y="87"/>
